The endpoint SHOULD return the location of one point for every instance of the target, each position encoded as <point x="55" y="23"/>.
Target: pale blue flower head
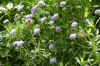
<point x="53" y="60"/>
<point x="20" y="7"/>
<point x="63" y="3"/>
<point x="72" y="36"/>
<point x="34" y="9"/>
<point x="58" y="28"/>
<point x="36" y="31"/>
<point x="51" y="22"/>
<point x="29" y="16"/>
<point x="18" y="43"/>
<point x="51" y="46"/>
<point x="43" y="20"/>
<point x="97" y="11"/>
<point x="41" y="3"/>
<point x="74" y="24"/>
<point x="54" y="17"/>
<point x="13" y="31"/>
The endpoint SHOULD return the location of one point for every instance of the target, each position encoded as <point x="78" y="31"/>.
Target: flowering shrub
<point x="49" y="33"/>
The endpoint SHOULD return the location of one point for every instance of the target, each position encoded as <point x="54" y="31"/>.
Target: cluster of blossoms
<point x="54" y="18"/>
<point x="18" y="43"/>
<point x="34" y="9"/>
<point x="43" y="19"/>
<point x="73" y="36"/>
<point x="28" y="18"/>
<point x="52" y="60"/>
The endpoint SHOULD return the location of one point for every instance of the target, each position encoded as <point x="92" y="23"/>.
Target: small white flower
<point x="10" y="5"/>
<point x="97" y="11"/>
<point x="2" y="9"/>
<point x="5" y="21"/>
<point x="18" y="43"/>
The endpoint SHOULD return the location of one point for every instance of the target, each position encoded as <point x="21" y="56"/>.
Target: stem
<point x="97" y="20"/>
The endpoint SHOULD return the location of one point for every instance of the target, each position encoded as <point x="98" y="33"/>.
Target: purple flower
<point x="74" y="24"/>
<point x="41" y="3"/>
<point x="13" y="31"/>
<point x="51" y="22"/>
<point x="29" y="16"/>
<point x="53" y="60"/>
<point x="36" y="31"/>
<point x="54" y="17"/>
<point x="51" y="46"/>
<point x="62" y="3"/>
<point x="18" y="43"/>
<point x="43" y="20"/>
<point x="72" y="36"/>
<point x="58" y="28"/>
<point x="97" y="11"/>
<point x="34" y="9"/>
<point x="5" y="21"/>
<point x="20" y="7"/>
